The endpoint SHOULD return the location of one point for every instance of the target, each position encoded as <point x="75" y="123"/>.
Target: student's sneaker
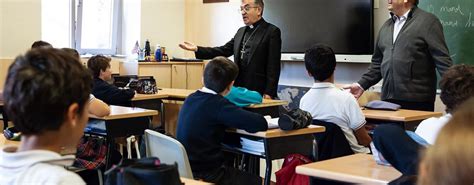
<point x="379" y="159"/>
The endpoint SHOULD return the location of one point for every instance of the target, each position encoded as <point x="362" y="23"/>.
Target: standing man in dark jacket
<point x="256" y="48"/>
<point x="409" y="48"/>
<point x="110" y="94"/>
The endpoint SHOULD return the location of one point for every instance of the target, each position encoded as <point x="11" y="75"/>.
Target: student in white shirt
<point x="327" y="103"/>
<point x="402" y="150"/>
<point x="449" y="160"/>
<point x="47" y="98"/>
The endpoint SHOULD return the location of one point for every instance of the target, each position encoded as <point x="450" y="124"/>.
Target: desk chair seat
<point x="168" y="150"/>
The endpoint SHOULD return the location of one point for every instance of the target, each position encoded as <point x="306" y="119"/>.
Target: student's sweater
<point x="111" y="94"/>
<point x="202" y="122"/>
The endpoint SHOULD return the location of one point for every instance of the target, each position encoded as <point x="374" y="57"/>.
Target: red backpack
<point x="287" y="175"/>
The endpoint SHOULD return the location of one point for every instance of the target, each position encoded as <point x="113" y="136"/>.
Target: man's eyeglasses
<point x="246" y="9"/>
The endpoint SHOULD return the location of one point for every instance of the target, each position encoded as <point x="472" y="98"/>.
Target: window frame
<point x="78" y="30"/>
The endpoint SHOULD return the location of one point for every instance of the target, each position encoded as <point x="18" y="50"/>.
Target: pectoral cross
<point x="242" y="53"/>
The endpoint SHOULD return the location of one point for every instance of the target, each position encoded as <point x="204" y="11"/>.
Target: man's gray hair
<point x="260" y="4"/>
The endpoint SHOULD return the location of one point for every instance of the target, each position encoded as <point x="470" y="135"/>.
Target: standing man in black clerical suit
<point x="256" y="48"/>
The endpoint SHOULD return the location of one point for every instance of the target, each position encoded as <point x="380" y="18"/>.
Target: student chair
<point x="332" y="143"/>
<point x="168" y="150"/>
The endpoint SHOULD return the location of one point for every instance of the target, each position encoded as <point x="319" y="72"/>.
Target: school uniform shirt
<point x="202" y="122"/>
<point x="38" y="167"/>
<point x="429" y="128"/>
<point x="327" y="103"/>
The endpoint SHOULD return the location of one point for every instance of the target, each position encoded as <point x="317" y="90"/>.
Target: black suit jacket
<point x="262" y="72"/>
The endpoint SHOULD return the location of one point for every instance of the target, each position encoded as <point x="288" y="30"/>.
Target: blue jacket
<point x="243" y="97"/>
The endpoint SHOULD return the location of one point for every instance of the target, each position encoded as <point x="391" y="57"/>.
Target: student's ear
<point x="230" y="85"/>
<point x="72" y="115"/>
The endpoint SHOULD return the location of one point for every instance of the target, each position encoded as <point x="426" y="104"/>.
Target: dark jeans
<point x="425" y="106"/>
<point x="228" y="176"/>
<point x="401" y="151"/>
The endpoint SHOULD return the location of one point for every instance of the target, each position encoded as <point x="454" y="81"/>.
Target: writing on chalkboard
<point x="470" y="22"/>
<point x="457" y="19"/>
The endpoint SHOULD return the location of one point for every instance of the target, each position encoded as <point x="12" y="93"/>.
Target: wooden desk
<point x="4" y="116"/>
<point x="123" y="122"/>
<point x="5" y="142"/>
<point x="151" y="101"/>
<point x="409" y="118"/>
<point x="272" y="133"/>
<point x="120" y="112"/>
<point x="278" y="144"/>
<point x="187" y="181"/>
<point x="357" y="168"/>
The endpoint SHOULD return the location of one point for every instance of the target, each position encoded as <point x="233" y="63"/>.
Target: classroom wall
<point x="216" y="23"/>
<point x="17" y="35"/>
<point x="211" y="24"/>
<point x="163" y="22"/>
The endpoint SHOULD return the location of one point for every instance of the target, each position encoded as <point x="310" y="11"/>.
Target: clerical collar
<point x="256" y="24"/>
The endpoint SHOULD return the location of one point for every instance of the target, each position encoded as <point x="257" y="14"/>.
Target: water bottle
<point x="158" y="53"/>
<point x="147" y="48"/>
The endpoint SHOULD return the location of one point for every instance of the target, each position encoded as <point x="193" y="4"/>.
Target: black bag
<point x="144" y="85"/>
<point x="295" y="119"/>
<point x="143" y="171"/>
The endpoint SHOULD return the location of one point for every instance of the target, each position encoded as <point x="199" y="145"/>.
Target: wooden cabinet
<point x="161" y="73"/>
<point x="180" y="75"/>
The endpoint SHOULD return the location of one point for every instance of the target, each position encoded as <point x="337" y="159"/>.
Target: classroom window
<point x="57" y="22"/>
<point x="91" y="26"/>
<point x="97" y="26"/>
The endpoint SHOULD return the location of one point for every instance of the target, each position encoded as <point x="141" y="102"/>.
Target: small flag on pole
<point x="136" y="48"/>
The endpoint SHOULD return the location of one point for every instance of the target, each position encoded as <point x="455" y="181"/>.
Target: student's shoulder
<point x="347" y="96"/>
<point x="71" y="178"/>
<point x="55" y="174"/>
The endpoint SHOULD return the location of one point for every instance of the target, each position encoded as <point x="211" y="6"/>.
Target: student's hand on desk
<point x="355" y="90"/>
<point x="266" y="96"/>
<point x="188" y="46"/>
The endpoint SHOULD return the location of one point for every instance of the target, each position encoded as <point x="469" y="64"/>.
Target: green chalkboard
<point x="457" y="17"/>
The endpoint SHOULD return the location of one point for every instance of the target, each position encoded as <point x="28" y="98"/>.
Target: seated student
<point x="449" y="160"/>
<point x="41" y="44"/>
<point x="457" y="85"/>
<point x="96" y="107"/>
<point x="327" y="103"/>
<point x="399" y="148"/>
<point x="202" y="122"/>
<point x="46" y="97"/>
<point x="110" y="94"/>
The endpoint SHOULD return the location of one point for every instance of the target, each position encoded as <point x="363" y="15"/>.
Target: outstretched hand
<point x="188" y="46"/>
<point x="355" y="90"/>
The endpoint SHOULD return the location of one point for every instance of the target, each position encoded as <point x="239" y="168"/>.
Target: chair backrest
<point x="168" y="150"/>
<point x="332" y="143"/>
